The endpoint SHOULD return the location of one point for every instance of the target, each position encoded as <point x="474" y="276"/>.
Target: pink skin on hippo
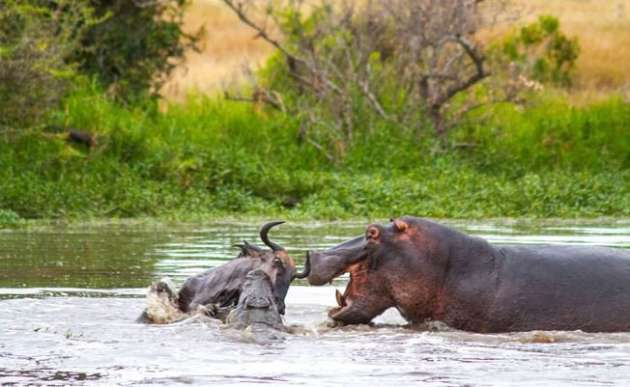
<point x="431" y="272"/>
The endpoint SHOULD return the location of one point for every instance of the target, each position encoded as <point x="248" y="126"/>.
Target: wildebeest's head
<point x="222" y="285"/>
<point x="276" y="263"/>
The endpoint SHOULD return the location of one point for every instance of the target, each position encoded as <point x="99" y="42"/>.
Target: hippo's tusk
<point x="341" y="301"/>
<point x="307" y="268"/>
<point x="263" y="236"/>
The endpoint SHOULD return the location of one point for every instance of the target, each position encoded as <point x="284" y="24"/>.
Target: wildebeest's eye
<point x="278" y="262"/>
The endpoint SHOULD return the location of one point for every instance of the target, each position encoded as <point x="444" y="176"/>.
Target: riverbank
<point x="208" y="158"/>
<point x="75" y="225"/>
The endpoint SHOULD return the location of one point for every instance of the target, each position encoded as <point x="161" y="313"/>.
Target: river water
<point x="69" y="297"/>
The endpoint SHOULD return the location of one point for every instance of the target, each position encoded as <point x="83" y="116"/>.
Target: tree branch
<point x="237" y="7"/>
<point x="365" y="88"/>
<point x="480" y="73"/>
<point x="259" y="95"/>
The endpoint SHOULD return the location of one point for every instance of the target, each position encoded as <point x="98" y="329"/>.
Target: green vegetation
<point x="134" y="46"/>
<point x="214" y="158"/>
<point x="34" y="75"/>
<point x="45" y="46"/>
<point x="345" y="141"/>
<point x="544" y="51"/>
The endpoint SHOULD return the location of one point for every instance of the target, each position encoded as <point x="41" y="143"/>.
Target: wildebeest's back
<point x="220" y="285"/>
<point x="562" y="288"/>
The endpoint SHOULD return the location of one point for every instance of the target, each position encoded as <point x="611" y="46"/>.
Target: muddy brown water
<point x="69" y="297"/>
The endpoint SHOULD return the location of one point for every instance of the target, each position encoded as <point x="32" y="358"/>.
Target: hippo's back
<point x="563" y="288"/>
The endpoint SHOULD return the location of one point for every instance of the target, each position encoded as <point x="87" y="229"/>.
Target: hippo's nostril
<point x="372" y="233"/>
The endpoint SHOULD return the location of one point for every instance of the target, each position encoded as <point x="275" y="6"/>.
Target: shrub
<point x="34" y="42"/>
<point x="543" y="51"/>
<point x="129" y="47"/>
<point x="346" y="71"/>
<point x="343" y="69"/>
<point x="8" y="218"/>
<point x="135" y="46"/>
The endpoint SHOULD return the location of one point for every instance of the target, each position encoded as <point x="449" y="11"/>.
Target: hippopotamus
<point x="218" y="289"/>
<point x="430" y="272"/>
<point x="256" y="306"/>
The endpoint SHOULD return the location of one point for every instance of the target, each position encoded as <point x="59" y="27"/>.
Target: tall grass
<point x="208" y="157"/>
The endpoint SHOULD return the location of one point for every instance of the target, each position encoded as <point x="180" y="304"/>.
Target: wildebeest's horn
<point x="263" y="235"/>
<point x="307" y="267"/>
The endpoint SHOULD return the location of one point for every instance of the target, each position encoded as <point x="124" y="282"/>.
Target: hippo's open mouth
<point x="358" y="275"/>
<point x="352" y="257"/>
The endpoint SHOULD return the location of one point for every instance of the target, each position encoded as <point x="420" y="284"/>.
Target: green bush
<point x="135" y="46"/>
<point x="208" y="157"/>
<point x="345" y="70"/>
<point x="34" y="42"/>
<point x="546" y="53"/>
<point x="550" y="134"/>
<point x="9" y="218"/>
<point x="129" y="47"/>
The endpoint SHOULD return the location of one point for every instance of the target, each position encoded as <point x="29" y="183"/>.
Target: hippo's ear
<point x="400" y="225"/>
<point x="249" y="250"/>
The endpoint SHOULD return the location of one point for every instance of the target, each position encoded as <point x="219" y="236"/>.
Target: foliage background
<point x="556" y="156"/>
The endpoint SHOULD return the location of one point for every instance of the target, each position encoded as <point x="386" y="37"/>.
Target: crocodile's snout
<point x="257" y="302"/>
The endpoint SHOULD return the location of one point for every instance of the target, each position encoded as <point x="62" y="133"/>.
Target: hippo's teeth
<point x="340" y="300"/>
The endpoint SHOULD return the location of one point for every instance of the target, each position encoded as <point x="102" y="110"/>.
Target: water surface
<point x="69" y="297"/>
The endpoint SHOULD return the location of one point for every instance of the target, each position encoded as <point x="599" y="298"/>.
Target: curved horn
<point x="263" y="236"/>
<point x="307" y="267"/>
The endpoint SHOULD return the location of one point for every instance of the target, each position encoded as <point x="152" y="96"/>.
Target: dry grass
<point x="603" y="29"/>
<point x="602" y="26"/>
<point x="228" y="47"/>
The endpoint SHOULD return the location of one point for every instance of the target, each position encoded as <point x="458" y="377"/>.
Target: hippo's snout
<point x="323" y="269"/>
<point x="328" y="264"/>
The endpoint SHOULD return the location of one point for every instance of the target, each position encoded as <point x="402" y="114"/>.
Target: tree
<point x="135" y="46"/>
<point x="34" y="42"/>
<point x="402" y="61"/>
<point x="543" y="52"/>
<point x="129" y="47"/>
